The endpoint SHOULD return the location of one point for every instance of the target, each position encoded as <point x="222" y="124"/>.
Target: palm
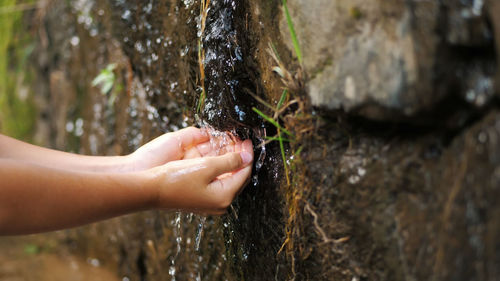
<point x="187" y="143"/>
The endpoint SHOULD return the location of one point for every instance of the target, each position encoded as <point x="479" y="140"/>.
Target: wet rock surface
<point x="229" y="67"/>
<point x="416" y="207"/>
<point x="394" y="176"/>
<point x="385" y="58"/>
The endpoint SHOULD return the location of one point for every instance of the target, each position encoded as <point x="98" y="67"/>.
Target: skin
<point x="44" y="190"/>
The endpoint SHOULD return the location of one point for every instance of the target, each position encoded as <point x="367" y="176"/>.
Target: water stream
<point x="153" y="49"/>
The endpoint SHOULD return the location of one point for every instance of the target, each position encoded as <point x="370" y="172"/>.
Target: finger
<point x="204" y="148"/>
<point x="192" y="153"/>
<point x="229" y="162"/>
<point x="224" y="175"/>
<point x="237" y="146"/>
<point x="231" y="185"/>
<point x="247" y="181"/>
<point x="207" y="212"/>
<point x="247" y="146"/>
<point x="190" y="136"/>
<point x="223" y="149"/>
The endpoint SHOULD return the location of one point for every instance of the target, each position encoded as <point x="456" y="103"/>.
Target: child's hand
<point x="168" y="147"/>
<point x="205" y="185"/>
<point x="43" y="189"/>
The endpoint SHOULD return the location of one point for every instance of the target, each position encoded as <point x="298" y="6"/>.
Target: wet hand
<point x="203" y="182"/>
<point x="170" y="147"/>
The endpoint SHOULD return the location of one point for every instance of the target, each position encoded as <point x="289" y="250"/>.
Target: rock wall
<point x="394" y="171"/>
<point x="387" y="58"/>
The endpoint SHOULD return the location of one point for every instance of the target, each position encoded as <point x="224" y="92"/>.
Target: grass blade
<point x="297" y="153"/>
<point x="285" y="165"/>
<point x="272" y="121"/>
<point x="292" y="33"/>
<point x="201" y="101"/>
<point x="277" y="139"/>
<point x="275" y="51"/>
<point x="282" y="99"/>
<point x="263" y="102"/>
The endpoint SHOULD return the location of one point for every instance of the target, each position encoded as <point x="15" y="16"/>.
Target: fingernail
<point x="246" y="157"/>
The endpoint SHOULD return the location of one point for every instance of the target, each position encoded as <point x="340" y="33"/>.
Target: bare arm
<point x="17" y="150"/>
<point x="159" y="151"/>
<point x="36" y="198"/>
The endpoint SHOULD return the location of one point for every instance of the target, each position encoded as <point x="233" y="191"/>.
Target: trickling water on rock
<point x="228" y="67"/>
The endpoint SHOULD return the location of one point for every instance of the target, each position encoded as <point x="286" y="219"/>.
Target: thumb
<point x="229" y="162"/>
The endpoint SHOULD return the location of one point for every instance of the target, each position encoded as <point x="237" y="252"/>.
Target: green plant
<point x="105" y="79"/>
<point x="279" y="137"/>
<point x="300" y="119"/>
<point x="17" y="111"/>
<point x="204" y="4"/>
<point x="31" y="249"/>
<point x="295" y="42"/>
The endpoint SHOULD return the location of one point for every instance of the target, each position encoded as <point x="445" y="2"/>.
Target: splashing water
<point x="199" y="233"/>
<point x="219" y="141"/>
<point x="261" y="136"/>
<point x="178" y="239"/>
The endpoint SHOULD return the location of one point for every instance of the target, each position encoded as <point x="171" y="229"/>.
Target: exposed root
<point x="291" y="82"/>
<point x="320" y="230"/>
<point x="204" y="4"/>
<point x="461" y="171"/>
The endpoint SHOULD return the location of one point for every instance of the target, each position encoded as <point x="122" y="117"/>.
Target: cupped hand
<point x="204" y="182"/>
<point x="169" y="147"/>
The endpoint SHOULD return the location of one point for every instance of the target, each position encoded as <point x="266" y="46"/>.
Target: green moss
<point x="355" y="13"/>
<point x="17" y="111"/>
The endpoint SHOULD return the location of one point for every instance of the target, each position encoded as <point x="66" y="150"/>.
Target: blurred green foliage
<point x="17" y="110"/>
<point x="105" y="79"/>
<point x="31" y="249"/>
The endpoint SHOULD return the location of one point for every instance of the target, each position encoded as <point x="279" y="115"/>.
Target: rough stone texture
<point x="417" y="205"/>
<point x="494" y="9"/>
<point x="387" y="58"/>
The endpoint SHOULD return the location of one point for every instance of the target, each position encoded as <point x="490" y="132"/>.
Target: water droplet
<point x="171" y="271"/>
<point x="353" y="179"/>
<point x="93" y="262"/>
<point x="361" y="171"/>
<point x="482" y="137"/>
<point x="148" y="8"/>
<point x="261" y="136"/>
<point x="69" y="127"/>
<point x="199" y="233"/>
<point x="139" y="47"/>
<point x="477" y="7"/>
<point x="93" y="32"/>
<point x="74" y="41"/>
<point x="126" y="15"/>
<point x="241" y="113"/>
<point x="184" y="51"/>
<point x="79" y="127"/>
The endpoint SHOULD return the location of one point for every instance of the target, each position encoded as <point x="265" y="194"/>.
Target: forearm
<point x="36" y="198"/>
<point x="17" y="150"/>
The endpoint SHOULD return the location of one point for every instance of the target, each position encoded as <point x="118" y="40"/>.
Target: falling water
<point x="178" y="239"/>
<point x="199" y="233"/>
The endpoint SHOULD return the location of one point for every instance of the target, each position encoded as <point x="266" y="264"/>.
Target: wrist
<point x="150" y="180"/>
<point x="132" y="163"/>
